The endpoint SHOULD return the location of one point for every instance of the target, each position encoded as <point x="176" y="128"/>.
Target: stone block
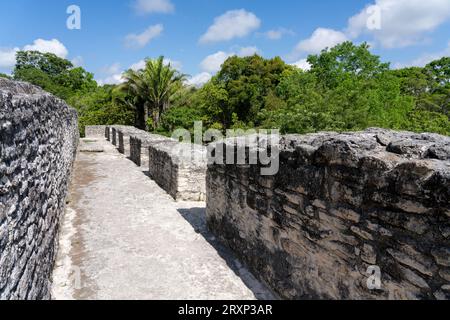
<point x="341" y="203"/>
<point x="38" y="142"/>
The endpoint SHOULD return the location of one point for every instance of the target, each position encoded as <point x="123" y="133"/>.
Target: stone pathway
<point x="123" y="237"/>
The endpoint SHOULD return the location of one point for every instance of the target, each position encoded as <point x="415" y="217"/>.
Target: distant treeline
<point x="347" y="88"/>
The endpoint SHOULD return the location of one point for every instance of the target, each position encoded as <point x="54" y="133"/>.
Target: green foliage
<point x="333" y="65"/>
<point x="101" y="106"/>
<point x="2" y="75"/>
<point x="95" y="105"/>
<point x="347" y="88"/>
<point x="53" y="74"/>
<point x="153" y="89"/>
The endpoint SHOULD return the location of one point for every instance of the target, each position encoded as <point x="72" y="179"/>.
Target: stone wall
<point x="114" y="136"/>
<point x="95" y="131"/>
<point x="108" y="133"/>
<point x="38" y="140"/>
<point x="179" y="168"/>
<point x="341" y="203"/>
<point x="123" y="136"/>
<point x="140" y="144"/>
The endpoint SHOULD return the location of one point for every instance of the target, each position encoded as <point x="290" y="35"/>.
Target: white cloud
<point x="232" y="24"/>
<point x="199" y="79"/>
<point x="138" y="65"/>
<point x="78" y="61"/>
<point x="112" y="69"/>
<point x="8" y="57"/>
<point x="302" y="64"/>
<point x="213" y="62"/>
<point x="48" y="46"/>
<point x="114" y="79"/>
<point x="424" y="59"/>
<point x="154" y="6"/>
<point x="113" y="73"/>
<point x="141" y="40"/>
<point x="401" y="22"/>
<point x="248" y="51"/>
<point x="277" y="34"/>
<point x="173" y="63"/>
<point x="320" y="39"/>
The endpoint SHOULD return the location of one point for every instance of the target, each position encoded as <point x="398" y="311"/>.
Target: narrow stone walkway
<point x="123" y="237"/>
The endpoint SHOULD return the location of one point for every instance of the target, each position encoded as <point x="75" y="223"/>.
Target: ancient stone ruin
<point x="341" y="205"/>
<point x="179" y="168"/>
<point x="38" y="141"/>
<point x="362" y="215"/>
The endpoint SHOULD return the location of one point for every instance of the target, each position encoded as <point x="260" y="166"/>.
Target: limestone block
<point x="340" y="203"/>
<point x="38" y="141"/>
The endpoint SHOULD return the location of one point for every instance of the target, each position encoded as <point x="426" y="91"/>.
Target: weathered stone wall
<point x="339" y="204"/>
<point x="123" y="136"/>
<point x="139" y="147"/>
<point x="179" y="168"/>
<point x="114" y="136"/>
<point x="95" y="131"/>
<point x="38" y="140"/>
<point x="108" y="133"/>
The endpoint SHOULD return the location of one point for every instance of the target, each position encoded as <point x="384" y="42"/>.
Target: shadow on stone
<point x="197" y="219"/>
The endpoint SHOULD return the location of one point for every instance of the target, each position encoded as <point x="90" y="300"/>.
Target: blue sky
<point x="197" y="35"/>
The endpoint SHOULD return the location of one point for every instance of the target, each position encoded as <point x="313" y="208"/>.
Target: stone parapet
<point x="342" y="212"/>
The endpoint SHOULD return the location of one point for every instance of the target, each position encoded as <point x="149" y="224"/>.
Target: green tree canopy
<point x="53" y="74"/>
<point x="153" y="88"/>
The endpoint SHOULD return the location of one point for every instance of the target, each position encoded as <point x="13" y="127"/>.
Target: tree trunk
<point x="140" y="117"/>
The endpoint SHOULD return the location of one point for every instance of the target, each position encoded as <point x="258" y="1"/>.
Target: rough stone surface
<point x="38" y="140"/>
<point x="339" y="204"/>
<point x="179" y="168"/>
<point x="95" y="131"/>
<point x="114" y="136"/>
<point x="124" y="237"/>
<point x="124" y="133"/>
<point x="107" y="133"/>
<point x="139" y="147"/>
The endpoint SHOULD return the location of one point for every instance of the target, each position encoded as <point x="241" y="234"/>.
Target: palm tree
<point x="134" y="90"/>
<point x="152" y="89"/>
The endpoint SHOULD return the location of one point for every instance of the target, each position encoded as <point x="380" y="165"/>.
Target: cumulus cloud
<point x="113" y="79"/>
<point x="78" y="61"/>
<point x="48" y="46"/>
<point x="112" y="69"/>
<point x="425" y="58"/>
<point x="277" y="34"/>
<point x="174" y="64"/>
<point x="138" y="65"/>
<point x="302" y="64"/>
<point x="142" y="39"/>
<point x="199" y="80"/>
<point x="8" y="55"/>
<point x="399" y="23"/>
<point x="112" y="74"/>
<point x="230" y="25"/>
<point x="213" y="62"/>
<point x="248" y="51"/>
<point x="154" y="6"/>
<point x="320" y="39"/>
